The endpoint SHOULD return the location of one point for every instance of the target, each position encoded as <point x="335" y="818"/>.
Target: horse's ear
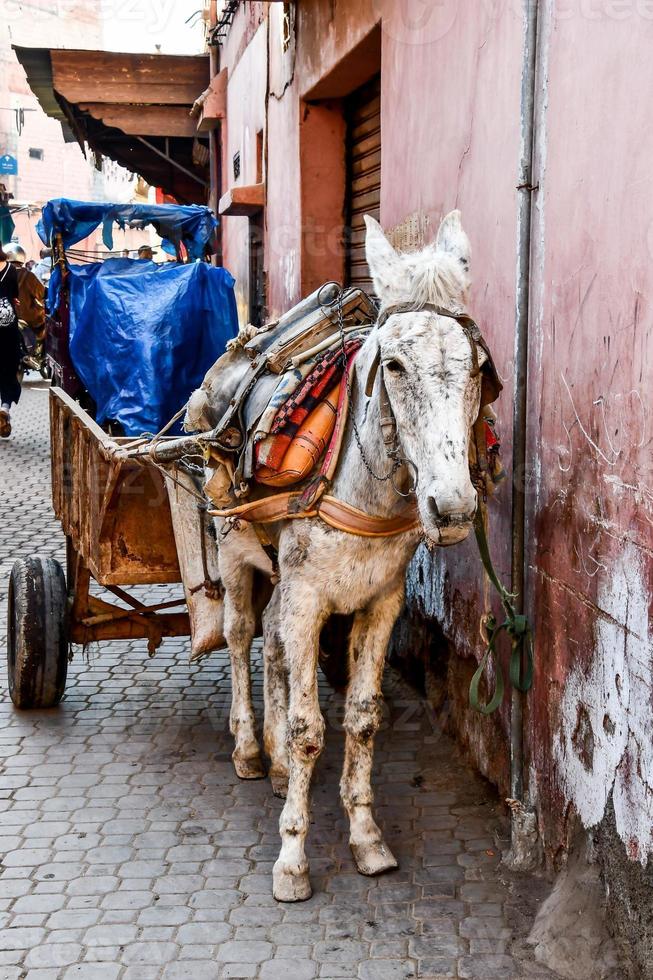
<point x="382" y="260"/>
<point x="452" y="240"/>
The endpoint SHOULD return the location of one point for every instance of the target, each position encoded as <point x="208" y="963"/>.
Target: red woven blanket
<point x="324" y="376"/>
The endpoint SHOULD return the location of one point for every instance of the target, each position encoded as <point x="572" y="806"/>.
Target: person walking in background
<point x="11" y="346"/>
<point x="43" y="268"/>
<point x="31" y="307"/>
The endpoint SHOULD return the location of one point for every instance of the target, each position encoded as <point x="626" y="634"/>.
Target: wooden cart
<point x="116" y="516"/>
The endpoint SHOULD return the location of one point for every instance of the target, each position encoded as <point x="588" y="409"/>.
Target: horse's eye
<point x="395" y="367"/>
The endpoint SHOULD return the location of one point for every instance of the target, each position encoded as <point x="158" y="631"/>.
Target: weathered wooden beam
<point x="115" y="77"/>
<point x="143" y="120"/>
<point x="168" y="624"/>
<point x="243" y="201"/>
<point x="173" y="162"/>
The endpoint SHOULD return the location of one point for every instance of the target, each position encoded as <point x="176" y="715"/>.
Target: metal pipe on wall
<point x="215" y="139"/>
<point x="525" y="190"/>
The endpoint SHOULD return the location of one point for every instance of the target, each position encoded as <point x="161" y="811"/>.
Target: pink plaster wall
<point x="591" y="541"/>
<point x="63" y="171"/>
<point x="246" y="97"/>
<point x="451" y="138"/>
<point x="283" y="210"/>
<point x="327" y="31"/>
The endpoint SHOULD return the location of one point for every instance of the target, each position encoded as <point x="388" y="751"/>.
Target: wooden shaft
<point x="172" y="624"/>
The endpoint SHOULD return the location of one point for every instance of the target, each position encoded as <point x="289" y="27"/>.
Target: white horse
<point x="430" y="369"/>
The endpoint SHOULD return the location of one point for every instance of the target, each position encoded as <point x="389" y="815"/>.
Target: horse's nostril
<point x="451" y="512"/>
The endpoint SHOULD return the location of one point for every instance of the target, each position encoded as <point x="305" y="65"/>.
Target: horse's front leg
<point x="275" y="693"/>
<point x="239" y="629"/>
<point x="367" y="649"/>
<point x="302" y="617"/>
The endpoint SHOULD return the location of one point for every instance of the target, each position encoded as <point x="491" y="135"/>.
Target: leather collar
<point x="336" y="513"/>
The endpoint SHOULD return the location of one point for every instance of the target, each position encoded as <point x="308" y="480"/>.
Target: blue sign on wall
<point x="8" y="165"/>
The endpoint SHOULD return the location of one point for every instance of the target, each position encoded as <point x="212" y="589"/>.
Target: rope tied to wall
<point x="515" y="624"/>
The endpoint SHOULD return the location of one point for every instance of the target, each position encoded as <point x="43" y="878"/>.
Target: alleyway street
<point x="130" y="850"/>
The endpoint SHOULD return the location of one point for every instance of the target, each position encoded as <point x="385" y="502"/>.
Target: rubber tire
<point x="37" y="633"/>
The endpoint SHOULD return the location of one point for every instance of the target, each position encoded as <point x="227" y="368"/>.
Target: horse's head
<point x="432" y="370"/>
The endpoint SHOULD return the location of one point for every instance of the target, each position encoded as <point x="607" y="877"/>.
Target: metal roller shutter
<point x="363" y="110"/>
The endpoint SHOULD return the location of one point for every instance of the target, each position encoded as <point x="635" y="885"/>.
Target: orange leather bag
<point x="306" y="448"/>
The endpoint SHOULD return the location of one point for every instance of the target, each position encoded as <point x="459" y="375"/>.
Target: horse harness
<point x="314" y="501"/>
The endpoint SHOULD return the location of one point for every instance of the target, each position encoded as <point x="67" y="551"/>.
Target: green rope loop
<point x="517" y="627"/>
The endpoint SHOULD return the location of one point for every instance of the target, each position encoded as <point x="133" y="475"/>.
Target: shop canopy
<point x="132" y="108"/>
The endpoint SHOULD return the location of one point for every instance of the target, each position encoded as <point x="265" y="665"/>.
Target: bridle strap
<point x="472" y="332"/>
<point x="387" y="416"/>
<point x="395" y="308"/>
<point x="387" y="420"/>
<point x="470" y="328"/>
<point x="491" y="383"/>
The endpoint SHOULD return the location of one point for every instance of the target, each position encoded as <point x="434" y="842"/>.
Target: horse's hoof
<point x="279" y="780"/>
<point x="373" y="858"/>
<point x="248" y="767"/>
<point x="288" y="886"/>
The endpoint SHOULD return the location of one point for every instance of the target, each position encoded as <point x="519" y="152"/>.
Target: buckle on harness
<point x="232" y="523"/>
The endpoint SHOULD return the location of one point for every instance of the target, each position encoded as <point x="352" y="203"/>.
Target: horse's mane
<point x="436" y="277"/>
<point x="428" y="276"/>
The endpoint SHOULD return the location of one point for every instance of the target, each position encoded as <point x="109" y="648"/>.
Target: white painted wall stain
<point x="289" y="267"/>
<point x="606" y="727"/>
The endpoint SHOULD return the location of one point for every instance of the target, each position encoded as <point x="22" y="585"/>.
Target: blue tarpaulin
<point x="142" y="336"/>
<point x="191" y="224"/>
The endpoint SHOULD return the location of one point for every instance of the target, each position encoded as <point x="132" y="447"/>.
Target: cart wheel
<point x="37" y="641"/>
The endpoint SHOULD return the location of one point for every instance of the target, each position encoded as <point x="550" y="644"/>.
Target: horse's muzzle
<point x="446" y="529"/>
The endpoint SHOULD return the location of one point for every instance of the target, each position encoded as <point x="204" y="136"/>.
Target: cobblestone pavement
<point x="130" y="850"/>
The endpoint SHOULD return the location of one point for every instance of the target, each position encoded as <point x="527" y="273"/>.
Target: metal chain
<point x="396" y="462"/>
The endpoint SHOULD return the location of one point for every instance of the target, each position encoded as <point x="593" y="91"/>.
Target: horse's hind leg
<point x="239" y="629"/>
<point x="302" y="618"/>
<point x="367" y="648"/>
<point x="275" y="688"/>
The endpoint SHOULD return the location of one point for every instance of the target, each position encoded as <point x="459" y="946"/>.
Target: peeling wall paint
<point x="605" y="743"/>
<point x="590" y="552"/>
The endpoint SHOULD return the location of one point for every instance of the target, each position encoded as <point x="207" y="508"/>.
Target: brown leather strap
<point x="387" y="421"/>
<point x="278" y="507"/>
<point x="389" y="311"/>
<point x="347" y="518"/>
<point x="336" y="513"/>
<point x="371" y="374"/>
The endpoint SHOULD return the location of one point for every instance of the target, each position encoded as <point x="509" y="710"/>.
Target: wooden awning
<point x="132" y="108"/>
